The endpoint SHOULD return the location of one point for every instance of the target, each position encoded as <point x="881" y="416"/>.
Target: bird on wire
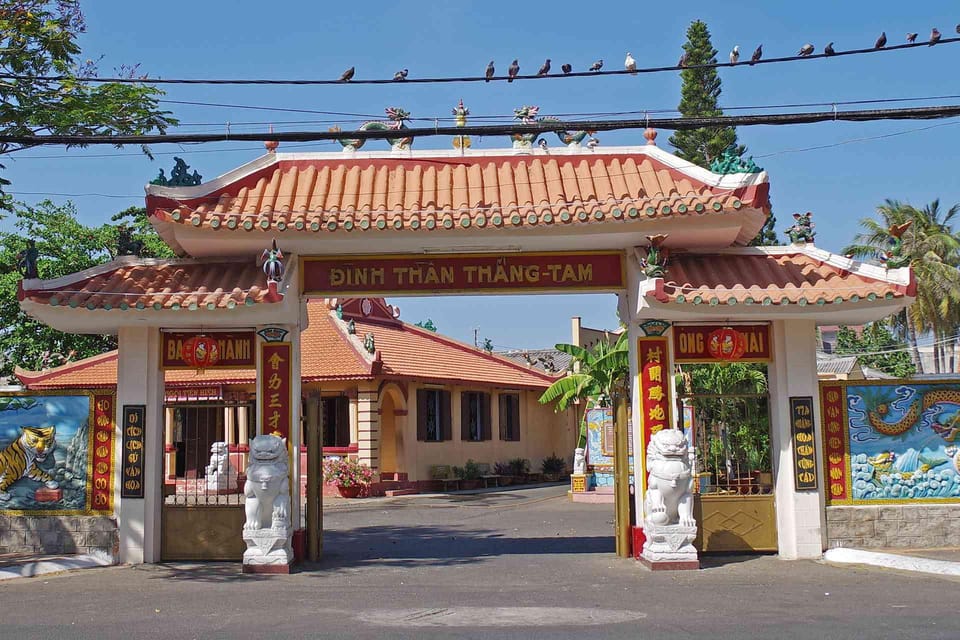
<point x="805" y="50"/>
<point x="566" y="68"/>
<point x="347" y="75"/>
<point x="911" y="38"/>
<point x="881" y="41"/>
<point x="400" y="75"/>
<point x="596" y="66"/>
<point x="489" y="72"/>
<point x="757" y="54"/>
<point x="544" y="68"/>
<point x="684" y="59"/>
<point x="735" y="54"/>
<point x="513" y="70"/>
<point x="630" y="64"/>
<point x="934" y="36"/>
<point x="958" y="28"/>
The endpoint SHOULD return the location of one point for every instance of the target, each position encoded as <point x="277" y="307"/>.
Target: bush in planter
<point x="344" y="472"/>
<point x="519" y="467"/>
<point x="469" y="471"/>
<point x="505" y="472"/>
<point x="553" y="467"/>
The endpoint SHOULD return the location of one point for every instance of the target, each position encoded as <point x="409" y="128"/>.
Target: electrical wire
<point x="460" y="79"/>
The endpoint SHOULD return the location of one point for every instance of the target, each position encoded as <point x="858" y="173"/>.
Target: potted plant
<point x="351" y="477"/>
<point x="553" y="467"/>
<point x="505" y="472"/>
<point x="519" y="468"/>
<point x="469" y="474"/>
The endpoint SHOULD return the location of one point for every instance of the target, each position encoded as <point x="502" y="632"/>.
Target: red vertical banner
<point x="835" y="444"/>
<point x="275" y="387"/>
<point x="100" y="496"/>
<point x="655" y="405"/>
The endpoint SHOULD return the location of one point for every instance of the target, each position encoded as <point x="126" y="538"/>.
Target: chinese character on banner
<point x="835" y="443"/>
<point x="275" y="388"/>
<point x="101" y="484"/>
<point x="654" y="391"/>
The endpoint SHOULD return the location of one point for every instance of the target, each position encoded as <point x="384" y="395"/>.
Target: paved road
<point x="520" y="564"/>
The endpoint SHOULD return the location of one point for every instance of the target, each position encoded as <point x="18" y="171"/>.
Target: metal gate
<point x="203" y="510"/>
<point x="734" y="500"/>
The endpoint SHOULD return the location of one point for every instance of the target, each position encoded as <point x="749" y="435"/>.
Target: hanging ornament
<point x="726" y="344"/>
<point x="201" y="352"/>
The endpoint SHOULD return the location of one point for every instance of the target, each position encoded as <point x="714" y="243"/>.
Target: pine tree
<point x="767" y="236"/>
<point x="699" y="94"/>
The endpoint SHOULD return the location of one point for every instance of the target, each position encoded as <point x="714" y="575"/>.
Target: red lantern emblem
<point x="726" y="344"/>
<point x="201" y="352"/>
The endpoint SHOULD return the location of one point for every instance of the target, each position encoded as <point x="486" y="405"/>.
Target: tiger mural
<point x="20" y="458"/>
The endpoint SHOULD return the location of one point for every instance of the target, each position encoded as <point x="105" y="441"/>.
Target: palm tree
<point x="595" y="374"/>
<point x="932" y="249"/>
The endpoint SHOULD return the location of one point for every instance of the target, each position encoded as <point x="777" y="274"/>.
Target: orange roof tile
<point x="131" y="283"/>
<point x="778" y="276"/>
<point x="328" y="352"/>
<point x="332" y="192"/>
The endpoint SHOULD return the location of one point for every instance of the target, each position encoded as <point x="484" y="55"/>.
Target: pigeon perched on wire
<point x="805" y="50"/>
<point x="489" y="72"/>
<point x="684" y="58"/>
<point x="566" y="68"/>
<point x="596" y="66"/>
<point x="630" y="64"/>
<point x="400" y="75"/>
<point x="958" y="28"/>
<point x="513" y="70"/>
<point x="757" y="54"/>
<point x="881" y="41"/>
<point x="347" y="75"/>
<point x="828" y="50"/>
<point x="911" y="38"/>
<point x="934" y="36"/>
<point x="735" y="54"/>
<point x="544" y="68"/>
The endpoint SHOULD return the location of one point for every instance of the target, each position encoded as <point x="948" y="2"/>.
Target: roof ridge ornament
<point x="802" y="230"/>
<point x="178" y="176"/>
<point x="272" y="263"/>
<point x="460" y="114"/>
<point x="731" y="161"/>
<point x="397" y="117"/>
<point x="655" y="263"/>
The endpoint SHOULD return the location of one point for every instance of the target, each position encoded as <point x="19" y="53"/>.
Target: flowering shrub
<point x="345" y="472"/>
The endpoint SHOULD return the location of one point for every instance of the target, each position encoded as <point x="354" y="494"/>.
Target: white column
<point x="793" y="372"/>
<point x="228" y="425"/>
<point x="243" y="435"/>
<point x="140" y="381"/>
<point x="171" y="458"/>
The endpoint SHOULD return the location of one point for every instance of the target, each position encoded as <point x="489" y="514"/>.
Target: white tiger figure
<point x="20" y="458"/>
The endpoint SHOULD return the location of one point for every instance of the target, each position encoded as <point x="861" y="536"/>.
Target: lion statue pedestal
<point x="668" y="523"/>
<point x="267" y="531"/>
<point x="222" y="476"/>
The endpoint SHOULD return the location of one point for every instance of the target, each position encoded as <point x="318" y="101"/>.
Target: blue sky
<point x="840" y="183"/>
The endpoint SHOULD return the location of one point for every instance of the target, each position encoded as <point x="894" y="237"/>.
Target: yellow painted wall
<point x="542" y="432"/>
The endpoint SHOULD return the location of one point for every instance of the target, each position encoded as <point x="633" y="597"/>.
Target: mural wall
<point x="600" y="447"/>
<point x="896" y="441"/>
<point x="56" y="453"/>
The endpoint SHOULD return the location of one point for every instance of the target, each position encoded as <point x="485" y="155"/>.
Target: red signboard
<point x="236" y="350"/>
<point x="692" y="343"/>
<point x="835" y="442"/>
<point x="101" y="454"/>
<point x="274" y="395"/>
<point x="654" y="394"/>
<point x="463" y="273"/>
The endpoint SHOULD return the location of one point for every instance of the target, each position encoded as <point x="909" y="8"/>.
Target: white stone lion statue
<point x="579" y="461"/>
<point x="669" y="498"/>
<point x="267" y="489"/>
<point x="221" y="474"/>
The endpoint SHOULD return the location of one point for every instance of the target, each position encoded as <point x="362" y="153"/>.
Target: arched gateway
<point x="667" y="237"/>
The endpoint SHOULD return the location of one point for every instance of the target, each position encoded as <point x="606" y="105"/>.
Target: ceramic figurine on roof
<point x="526" y="114"/>
<point x="655" y="263"/>
<point x="802" y="230"/>
<point x="27" y="261"/>
<point x="369" y="344"/>
<point x="460" y="112"/>
<point x="570" y="138"/>
<point x="272" y="259"/>
<point x="126" y="245"/>
<point x="179" y="176"/>
<point x="397" y="117"/>
<point x="731" y="162"/>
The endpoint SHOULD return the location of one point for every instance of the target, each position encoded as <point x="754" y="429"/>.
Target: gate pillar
<point x="140" y="382"/>
<point x="800" y="514"/>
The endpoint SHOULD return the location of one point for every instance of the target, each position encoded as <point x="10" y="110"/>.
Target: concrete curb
<point x="892" y="561"/>
<point x="30" y="569"/>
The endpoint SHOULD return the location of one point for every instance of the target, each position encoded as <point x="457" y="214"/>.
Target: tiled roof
<point x="777" y="276"/>
<point x="131" y="283"/>
<point x="328" y="352"/>
<point x="337" y="192"/>
<point x="551" y="361"/>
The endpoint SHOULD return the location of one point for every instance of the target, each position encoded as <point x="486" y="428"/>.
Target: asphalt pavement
<point x="511" y="564"/>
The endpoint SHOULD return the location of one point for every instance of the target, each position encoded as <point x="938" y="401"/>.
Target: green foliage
<point x="39" y="38"/>
<point x="767" y="237"/>
<point x="553" y="464"/>
<point x="875" y="338"/>
<point x="469" y="471"/>
<point x="426" y="324"/>
<point x="699" y="93"/>
<point x="65" y="246"/>
<point x="518" y="466"/>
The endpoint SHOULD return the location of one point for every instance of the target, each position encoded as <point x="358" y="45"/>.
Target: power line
<point x="537" y="127"/>
<point x="447" y="80"/>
